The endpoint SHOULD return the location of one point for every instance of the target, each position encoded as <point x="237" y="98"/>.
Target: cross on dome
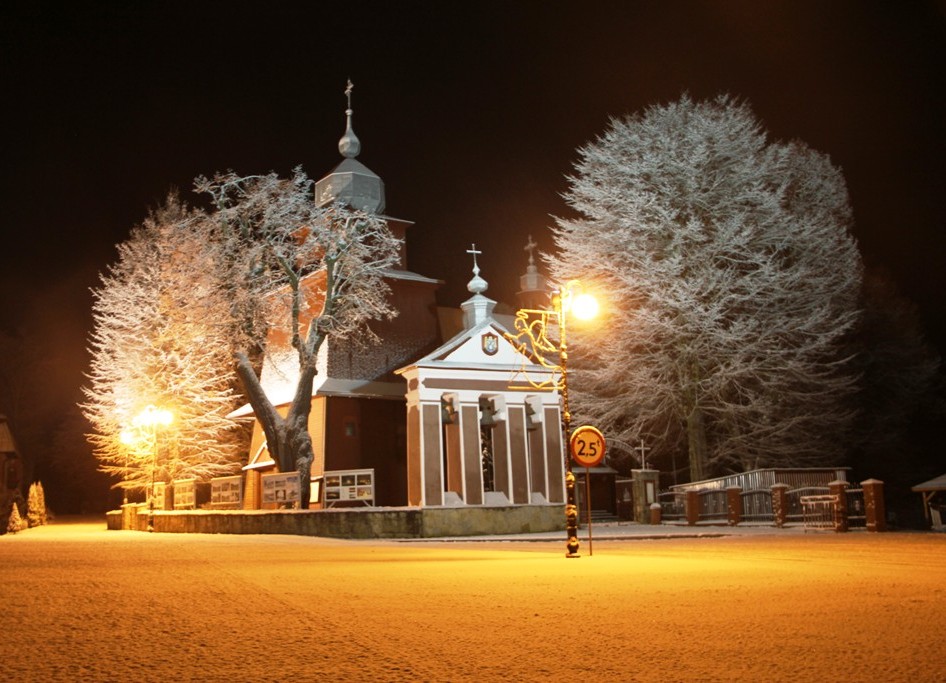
<point x="477" y="285"/>
<point x="473" y="250"/>
<point x="530" y="247"/>
<point x="349" y="145"/>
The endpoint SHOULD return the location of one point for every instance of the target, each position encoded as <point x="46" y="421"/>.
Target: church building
<point x="416" y="420"/>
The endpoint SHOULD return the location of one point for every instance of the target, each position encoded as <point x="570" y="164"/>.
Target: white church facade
<point x="479" y="432"/>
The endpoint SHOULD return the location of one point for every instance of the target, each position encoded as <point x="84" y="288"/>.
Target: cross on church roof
<point x="473" y="250"/>
<point x="530" y="247"/>
<point x="477" y="285"/>
<point x="348" y="90"/>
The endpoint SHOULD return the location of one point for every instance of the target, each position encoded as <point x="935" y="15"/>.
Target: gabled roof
<point x="935" y="484"/>
<point x="466" y="347"/>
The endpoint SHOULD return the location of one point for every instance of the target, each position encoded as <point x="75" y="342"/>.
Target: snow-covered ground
<point x="80" y="603"/>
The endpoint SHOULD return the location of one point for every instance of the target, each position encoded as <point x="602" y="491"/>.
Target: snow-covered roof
<point x="935" y="484"/>
<point x="444" y="350"/>
<point x="330" y="386"/>
<point x="410" y="276"/>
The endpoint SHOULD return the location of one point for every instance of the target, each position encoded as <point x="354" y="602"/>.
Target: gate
<point x="818" y="512"/>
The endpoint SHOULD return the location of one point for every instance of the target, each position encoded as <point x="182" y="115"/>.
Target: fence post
<point x="733" y="505"/>
<point x="129" y="516"/>
<point x="838" y="489"/>
<point x="655" y="513"/>
<point x="780" y="504"/>
<point x="693" y="507"/>
<point x="874" y="508"/>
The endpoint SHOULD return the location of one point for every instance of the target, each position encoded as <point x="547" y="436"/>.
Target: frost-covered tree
<point x="36" y="505"/>
<point x="731" y="280"/>
<point x="296" y="275"/>
<point x="14" y="521"/>
<point x="158" y="341"/>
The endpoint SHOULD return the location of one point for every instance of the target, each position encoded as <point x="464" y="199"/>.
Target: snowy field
<point x="84" y="604"/>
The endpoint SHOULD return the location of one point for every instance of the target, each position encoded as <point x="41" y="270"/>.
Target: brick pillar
<point x="874" y="508"/>
<point x="693" y="507"/>
<point x="838" y="489"/>
<point x="733" y="505"/>
<point x="780" y="504"/>
<point x="655" y="513"/>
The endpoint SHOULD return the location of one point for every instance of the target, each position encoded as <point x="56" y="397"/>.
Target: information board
<point x="280" y="487"/>
<point x="226" y="492"/>
<point x="349" y="486"/>
<point x="160" y="495"/>
<point x="185" y="494"/>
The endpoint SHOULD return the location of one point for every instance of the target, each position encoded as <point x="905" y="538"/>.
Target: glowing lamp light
<point x="584" y="307"/>
<point x="153" y="417"/>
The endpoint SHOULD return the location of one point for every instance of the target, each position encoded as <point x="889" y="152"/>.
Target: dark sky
<point x="472" y="117"/>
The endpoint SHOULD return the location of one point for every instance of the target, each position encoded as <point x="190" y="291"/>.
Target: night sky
<point x="472" y="118"/>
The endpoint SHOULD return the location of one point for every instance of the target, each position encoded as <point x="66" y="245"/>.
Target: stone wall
<point x="406" y="522"/>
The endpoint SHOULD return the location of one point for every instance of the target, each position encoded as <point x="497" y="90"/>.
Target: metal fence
<point x="818" y="512"/>
<point x="796" y="478"/>
<point x="856" y="510"/>
<point x="811" y="505"/>
<point x="713" y="505"/>
<point x="757" y="505"/>
<point x="672" y="506"/>
<point x="796" y="511"/>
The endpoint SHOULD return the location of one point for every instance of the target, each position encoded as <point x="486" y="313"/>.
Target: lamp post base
<point x="571" y="516"/>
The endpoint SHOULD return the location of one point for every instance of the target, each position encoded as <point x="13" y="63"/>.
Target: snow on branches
<point x="197" y="294"/>
<point x="158" y="341"/>
<point x="733" y="279"/>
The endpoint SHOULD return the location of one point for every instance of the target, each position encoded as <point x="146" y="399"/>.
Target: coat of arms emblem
<point x="490" y="343"/>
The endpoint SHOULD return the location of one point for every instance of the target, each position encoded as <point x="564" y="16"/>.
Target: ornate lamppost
<point x="152" y="418"/>
<point x="532" y="327"/>
<point x="128" y="439"/>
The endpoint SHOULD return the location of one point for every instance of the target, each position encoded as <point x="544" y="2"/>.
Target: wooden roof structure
<point x="928" y="489"/>
<point x="7" y="444"/>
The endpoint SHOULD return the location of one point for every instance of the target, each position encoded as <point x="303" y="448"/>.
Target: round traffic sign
<point x="587" y="446"/>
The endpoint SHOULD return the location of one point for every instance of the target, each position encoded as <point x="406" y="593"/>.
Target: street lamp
<point x="151" y="418"/>
<point x="129" y="440"/>
<point x="532" y="339"/>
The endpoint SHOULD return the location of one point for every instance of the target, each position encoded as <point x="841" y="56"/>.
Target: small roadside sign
<point x="587" y="446"/>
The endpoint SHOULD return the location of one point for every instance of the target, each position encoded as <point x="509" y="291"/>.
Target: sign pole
<point x="587" y="447"/>
<point x="588" y="506"/>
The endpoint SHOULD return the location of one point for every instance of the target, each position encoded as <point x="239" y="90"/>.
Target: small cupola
<point x="477" y="308"/>
<point x="533" y="288"/>
<point x="351" y="182"/>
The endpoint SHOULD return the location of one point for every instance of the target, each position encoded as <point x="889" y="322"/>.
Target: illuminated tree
<point x="36" y="505"/>
<point x="195" y="289"/>
<point x="732" y="278"/>
<point x="296" y="272"/>
<point x="157" y="342"/>
<point x="14" y="521"/>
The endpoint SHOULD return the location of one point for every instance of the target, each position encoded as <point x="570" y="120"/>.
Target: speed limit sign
<point x="587" y="446"/>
